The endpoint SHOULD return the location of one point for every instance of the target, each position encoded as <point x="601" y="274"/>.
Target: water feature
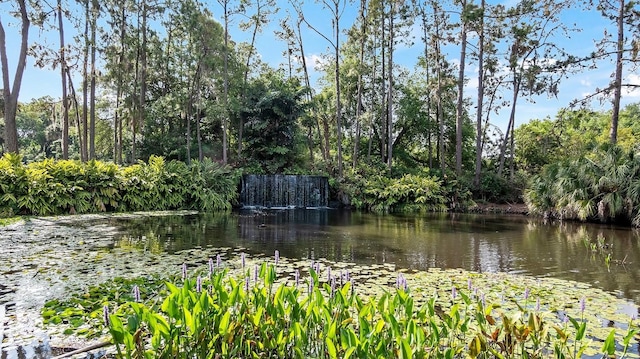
<point x="273" y="191"/>
<point x="48" y="258"/>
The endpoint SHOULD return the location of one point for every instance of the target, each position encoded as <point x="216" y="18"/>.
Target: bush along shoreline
<point x="53" y="187"/>
<point x="276" y="308"/>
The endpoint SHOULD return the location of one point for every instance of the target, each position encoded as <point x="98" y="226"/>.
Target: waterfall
<point x="284" y="191"/>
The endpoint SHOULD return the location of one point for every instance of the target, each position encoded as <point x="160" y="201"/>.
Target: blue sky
<point x="40" y="82"/>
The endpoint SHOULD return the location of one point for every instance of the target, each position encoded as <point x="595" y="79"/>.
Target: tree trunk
<point x="390" y="101"/>
<point x="426" y="62"/>
<point x="617" y="86"/>
<point x="374" y="69"/>
<point x="460" y="101"/>
<point x="246" y="72"/>
<point x="363" y="30"/>
<point x="117" y="133"/>
<point x="85" y="84"/>
<point x="308" y="94"/>
<point x="11" y="93"/>
<point x="337" y="82"/>
<point x="139" y="122"/>
<point x="479" y="132"/>
<point x="92" y="95"/>
<point x="225" y="119"/>
<point x="63" y="78"/>
<point x="440" y="110"/>
<point x="383" y="94"/>
<point x="512" y="118"/>
<point x="198" y="116"/>
<point x="81" y="139"/>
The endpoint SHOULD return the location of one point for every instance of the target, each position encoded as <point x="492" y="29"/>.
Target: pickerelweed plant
<point x="263" y="310"/>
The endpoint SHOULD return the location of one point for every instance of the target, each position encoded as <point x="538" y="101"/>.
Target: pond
<point x="47" y="258"/>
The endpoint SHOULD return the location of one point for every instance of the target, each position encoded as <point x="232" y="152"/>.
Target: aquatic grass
<point x="323" y="317"/>
<point x="272" y="319"/>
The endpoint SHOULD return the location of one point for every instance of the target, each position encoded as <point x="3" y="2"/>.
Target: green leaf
<point x="331" y="348"/>
<point x="609" y="345"/>
<point x="224" y="323"/>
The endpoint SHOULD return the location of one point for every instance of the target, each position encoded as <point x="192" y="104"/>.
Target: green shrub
<point x="604" y="186"/>
<point x="62" y="187"/>
<point x="409" y="193"/>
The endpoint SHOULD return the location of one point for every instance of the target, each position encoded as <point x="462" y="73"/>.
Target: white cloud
<point x="316" y="62"/>
<point x="631" y="92"/>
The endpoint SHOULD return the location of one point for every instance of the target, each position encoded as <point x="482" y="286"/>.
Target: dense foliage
<point x="219" y="315"/>
<point x="378" y="192"/>
<point x="603" y="185"/>
<point x="63" y="187"/>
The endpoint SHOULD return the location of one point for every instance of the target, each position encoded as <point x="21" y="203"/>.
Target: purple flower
<point x="469" y="284"/>
<point x="210" y="266"/>
<point x="454" y="293"/>
<point x="538" y="305"/>
<point x="218" y="261"/>
<point x="184" y="271"/>
<point x="310" y="286"/>
<point x="333" y="285"/>
<point x="242" y="259"/>
<point x="484" y="303"/>
<point x="328" y="273"/>
<point x="401" y="282"/>
<point x="297" y="275"/>
<point x="526" y="293"/>
<point x="583" y="305"/>
<point x="105" y="316"/>
<point x="256" y="273"/>
<point x="277" y="254"/>
<point x="136" y="293"/>
<point x="199" y="285"/>
<point x="246" y="284"/>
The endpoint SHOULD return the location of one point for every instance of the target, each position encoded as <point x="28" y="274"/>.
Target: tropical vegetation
<point x="186" y="81"/>
<point x="68" y="187"/>
<point x="279" y="310"/>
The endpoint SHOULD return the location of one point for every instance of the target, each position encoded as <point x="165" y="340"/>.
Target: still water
<point x="46" y="258"/>
<point x="603" y="256"/>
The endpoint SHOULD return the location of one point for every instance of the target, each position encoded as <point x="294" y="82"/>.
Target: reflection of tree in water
<point x="474" y="242"/>
<point x="174" y="233"/>
<point x="579" y="252"/>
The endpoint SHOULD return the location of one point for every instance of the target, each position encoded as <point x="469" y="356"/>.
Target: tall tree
<point x="63" y="78"/>
<point x="360" y="85"/>
<point x="11" y="92"/>
<point x="95" y="12"/>
<point x="392" y="32"/>
<point x="225" y="118"/>
<point x="138" y="120"/>
<point x="480" y="102"/>
<point x="256" y="22"/>
<point x="532" y="56"/>
<point x="461" y="80"/>
<point x="84" y="155"/>
<point x="336" y="8"/>
<point x="623" y="43"/>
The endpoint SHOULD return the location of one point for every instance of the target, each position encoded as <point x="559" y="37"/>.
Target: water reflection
<point x="474" y="242"/>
